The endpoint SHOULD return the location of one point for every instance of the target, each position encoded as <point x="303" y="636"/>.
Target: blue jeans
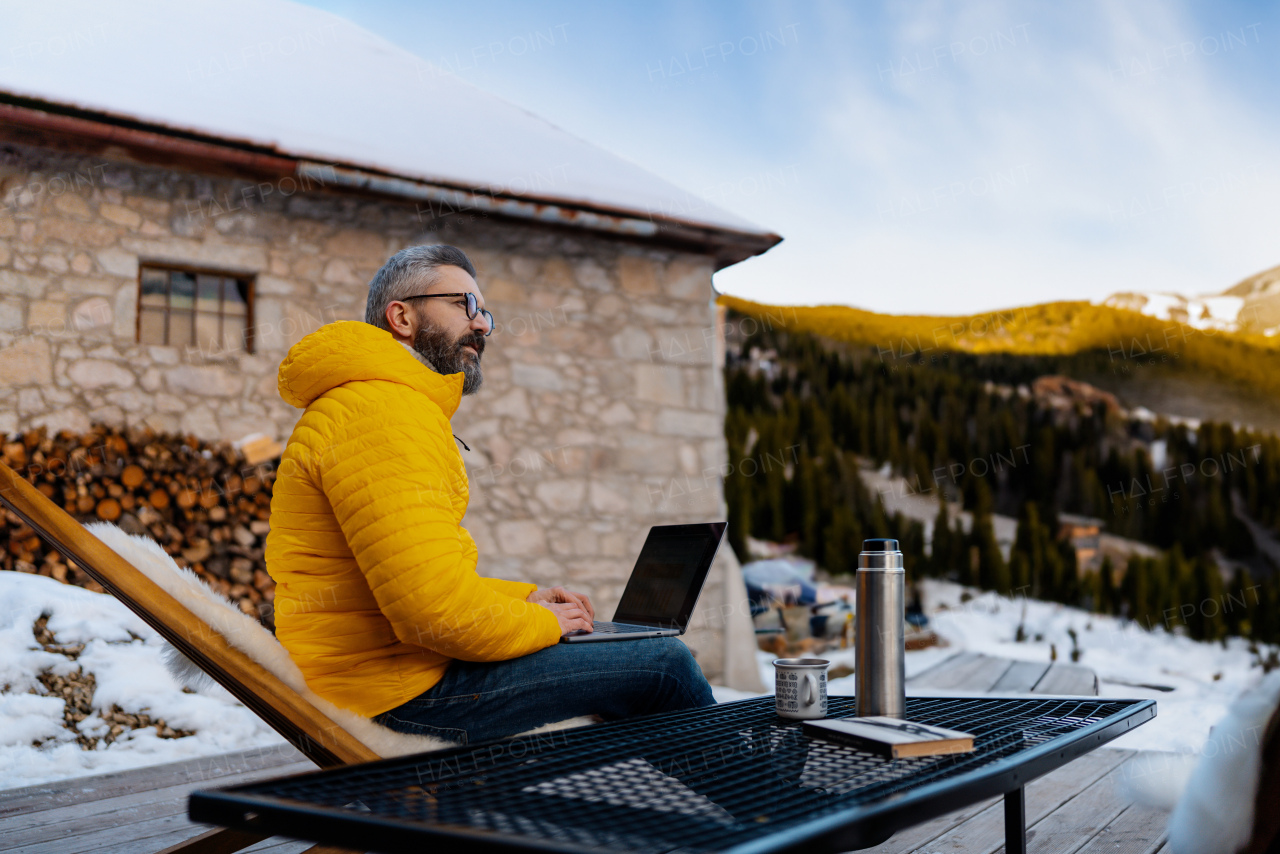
<point x="477" y="701"/>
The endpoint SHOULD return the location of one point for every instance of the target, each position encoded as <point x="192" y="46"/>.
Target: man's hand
<point x="573" y="610"/>
<point x="570" y="617"/>
<point x="559" y="594"/>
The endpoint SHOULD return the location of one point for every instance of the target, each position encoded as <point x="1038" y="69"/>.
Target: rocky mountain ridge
<point x="1250" y="306"/>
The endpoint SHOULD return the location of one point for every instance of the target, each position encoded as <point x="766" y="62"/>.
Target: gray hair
<point x="408" y="272"/>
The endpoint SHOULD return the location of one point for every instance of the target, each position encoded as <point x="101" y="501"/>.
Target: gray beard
<point x="446" y="355"/>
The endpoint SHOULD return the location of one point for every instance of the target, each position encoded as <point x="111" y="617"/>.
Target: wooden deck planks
<point x="1138" y="830"/>
<point x="986" y="820"/>
<point x="921" y="835"/>
<point x="1079" y="817"/>
<point x="1078" y="809"/>
<point x="67" y="822"/>
<point x="985" y="831"/>
<point x="154" y="833"/>
<point x="80" y="790"/>
<point x="983" y="674"/>
<point x="139" y="811"/>
<point x="964" y="671"/>
<point x="1070" y="679"/>
<point x="274" y="845"/>
<point x="1021" y="677"/>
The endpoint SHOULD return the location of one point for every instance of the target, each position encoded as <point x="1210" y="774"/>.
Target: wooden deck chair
<point x="322" y="737"/>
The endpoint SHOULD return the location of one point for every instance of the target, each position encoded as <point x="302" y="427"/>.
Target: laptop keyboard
<point x="617" y="628"/>
<point x="607" y="628"/>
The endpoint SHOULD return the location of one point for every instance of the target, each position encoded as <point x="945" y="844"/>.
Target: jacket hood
<point x="350" y="351"/>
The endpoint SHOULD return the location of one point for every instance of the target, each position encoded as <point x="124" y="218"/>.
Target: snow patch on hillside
<point x="1213" y="312"/>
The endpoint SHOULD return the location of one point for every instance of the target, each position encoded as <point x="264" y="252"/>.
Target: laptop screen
<point x="669" y="574"/>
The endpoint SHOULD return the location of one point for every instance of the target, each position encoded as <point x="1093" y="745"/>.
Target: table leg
<point x="1015" y="821"/>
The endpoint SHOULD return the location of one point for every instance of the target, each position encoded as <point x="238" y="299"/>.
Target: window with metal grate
<point x="196" y="310"/>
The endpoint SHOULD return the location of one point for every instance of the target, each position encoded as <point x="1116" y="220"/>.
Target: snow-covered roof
<point x="315" y="86"/>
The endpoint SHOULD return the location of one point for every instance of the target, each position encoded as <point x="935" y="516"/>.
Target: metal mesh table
<point x="733" y="777"/>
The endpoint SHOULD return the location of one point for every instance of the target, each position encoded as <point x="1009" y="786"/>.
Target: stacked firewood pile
<point x="207" y="505"/>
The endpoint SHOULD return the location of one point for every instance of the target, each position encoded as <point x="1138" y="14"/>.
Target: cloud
<point x="996" y="154"/>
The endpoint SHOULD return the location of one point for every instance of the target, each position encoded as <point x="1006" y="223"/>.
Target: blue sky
<point x="918" y="157"/>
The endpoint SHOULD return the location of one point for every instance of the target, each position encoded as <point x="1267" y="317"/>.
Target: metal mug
<point x="801" y="692"/>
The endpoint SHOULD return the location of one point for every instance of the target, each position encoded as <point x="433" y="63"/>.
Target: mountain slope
<point x="1261" y="295"/>
<point x="1111" y="339"/>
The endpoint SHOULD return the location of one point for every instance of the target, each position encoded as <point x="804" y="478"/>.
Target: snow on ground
<point x="123" y="653"/>
<point x="1205" y="677"/>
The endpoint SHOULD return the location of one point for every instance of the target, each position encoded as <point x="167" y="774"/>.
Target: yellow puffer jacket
<point x="376" y="583"/>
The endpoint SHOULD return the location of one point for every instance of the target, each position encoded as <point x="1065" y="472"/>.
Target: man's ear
<point x="399" y="320"/>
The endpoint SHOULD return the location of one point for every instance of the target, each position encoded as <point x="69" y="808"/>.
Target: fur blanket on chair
<point x="1230" y="801"/>
<point x="248" y="635"/>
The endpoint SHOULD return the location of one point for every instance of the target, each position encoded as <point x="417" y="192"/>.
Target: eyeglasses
<point x="472" y="307"/>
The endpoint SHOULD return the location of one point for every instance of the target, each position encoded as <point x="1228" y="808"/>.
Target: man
<point x="377" y="596"/>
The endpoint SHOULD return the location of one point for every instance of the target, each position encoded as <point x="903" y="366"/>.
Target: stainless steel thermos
<point x="880" y="658"/>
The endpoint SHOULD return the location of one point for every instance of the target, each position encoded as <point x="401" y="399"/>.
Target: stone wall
<point x="602" y="409"/>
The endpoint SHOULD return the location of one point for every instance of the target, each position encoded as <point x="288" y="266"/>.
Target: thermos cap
<point x="880" y="554"/>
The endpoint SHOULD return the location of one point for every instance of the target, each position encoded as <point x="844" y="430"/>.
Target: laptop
<point x="663" y="587"/>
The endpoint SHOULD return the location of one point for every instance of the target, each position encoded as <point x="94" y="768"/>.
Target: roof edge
<point x="43" y="123"/>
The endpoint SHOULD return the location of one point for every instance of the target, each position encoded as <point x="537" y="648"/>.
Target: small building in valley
<point x="1084" y="533"/>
